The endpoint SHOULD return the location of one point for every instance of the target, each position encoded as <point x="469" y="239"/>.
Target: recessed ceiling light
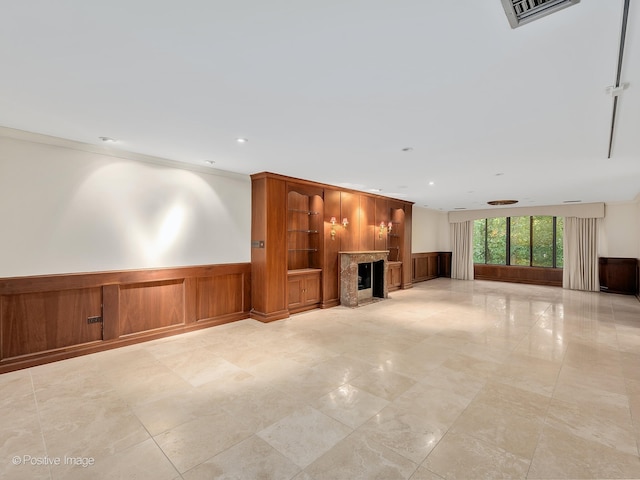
<point x="209" y="162"/>
<point x="459" y="208"/>
<point x="572" y="201"/>
<point x="375" y="190"/>
<point x="499" y="174"/>
<point x="108" y="139"/>
<point x="407" y="149"/>
<point x="502" y="202"/>
<point x="432" y="183"/>
<point x="241" y="140"/>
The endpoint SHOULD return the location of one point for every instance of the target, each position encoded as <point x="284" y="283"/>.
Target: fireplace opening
<point x="364" y="276"/>
<point x="370" y="280"/>
<point x="378" y="279"/>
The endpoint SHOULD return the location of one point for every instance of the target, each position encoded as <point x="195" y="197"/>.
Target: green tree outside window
<point x="526" y="241"/>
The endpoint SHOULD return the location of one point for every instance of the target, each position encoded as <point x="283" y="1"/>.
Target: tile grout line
<point x="35" y="399"/>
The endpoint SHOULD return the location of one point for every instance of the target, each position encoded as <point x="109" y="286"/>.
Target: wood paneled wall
<point x="330" y="286"/>
<point x="430" y="265"/>
<point x="515" y="274"/>
<point x="46" y="318"/>
<point x="425" y="266"/>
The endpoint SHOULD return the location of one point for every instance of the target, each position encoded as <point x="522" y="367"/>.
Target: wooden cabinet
<point x="444" y="264"/>
<point x="394" y="275"/>
<point x="294" y="245"/>
<point x="304" y="228"/>
<point x="618" y="275"/>
<point x="304" y="287"/>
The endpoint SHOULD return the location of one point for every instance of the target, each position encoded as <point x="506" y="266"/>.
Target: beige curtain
<point x="580" y="271"/>
<point x="462" y="250"/>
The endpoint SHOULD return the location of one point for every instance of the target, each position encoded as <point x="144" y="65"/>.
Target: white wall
<point x="620" y="232"/>
<point x="65" y="210"/>
<point x="429" y="231"/>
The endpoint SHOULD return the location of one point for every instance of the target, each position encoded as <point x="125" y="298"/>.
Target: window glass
<point x="559" y="242"/>
<point x="520" y="241"/>
<point x="497" y="241"/>
<point x="479" y="234"/>
<point x="542" y="242"/>
<point x="531" y="241"/>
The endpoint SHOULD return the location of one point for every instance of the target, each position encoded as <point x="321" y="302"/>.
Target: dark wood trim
<point x="517" y="274"/>
<point x="45" y="318"/>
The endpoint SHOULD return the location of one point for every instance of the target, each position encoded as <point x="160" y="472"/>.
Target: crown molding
<point x="32" y="137"/>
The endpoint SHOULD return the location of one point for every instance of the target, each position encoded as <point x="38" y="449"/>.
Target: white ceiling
<point x="332" y="91"/>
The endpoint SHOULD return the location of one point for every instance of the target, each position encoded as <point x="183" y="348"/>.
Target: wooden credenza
<point x="618" y="275"/>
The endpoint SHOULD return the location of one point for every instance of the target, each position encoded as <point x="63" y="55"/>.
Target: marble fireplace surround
<point x="349" y="274"/>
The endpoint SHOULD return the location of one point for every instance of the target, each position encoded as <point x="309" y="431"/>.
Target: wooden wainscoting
<point x="51" y="317"/>
<point x="430" y="265"/>
<point x="515" y="274"/>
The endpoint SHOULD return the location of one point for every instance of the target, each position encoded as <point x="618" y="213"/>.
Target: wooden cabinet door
<point x="311" y="293"/>
<point x="296" y="287"/>
<point x="394" y="276"/>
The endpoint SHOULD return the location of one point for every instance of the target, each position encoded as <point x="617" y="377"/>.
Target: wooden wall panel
<point x="258" y="249"/>
<point x="220" y="295"/>
<point x="43" y="321"/>
<point x="269" y="247"/>
<point x="368" y="232"/>
<point x="350" y="208"/>
<point x="425" y="266"/>
<point x="330" y="280"/>
<point x="44" y="318"/>
<point x="430" y="265"/>
<point x="382" y="215"/>
<point x="148" y="306"/>
<point x="406" y="241"/>
<point x="515" y="274"/>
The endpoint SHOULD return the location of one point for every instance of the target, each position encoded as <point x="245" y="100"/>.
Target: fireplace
<point x="362" y="277"/>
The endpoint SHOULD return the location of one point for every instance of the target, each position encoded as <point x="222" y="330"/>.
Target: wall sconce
<point x="333" y="222"/>
<point x="388" y="226"/>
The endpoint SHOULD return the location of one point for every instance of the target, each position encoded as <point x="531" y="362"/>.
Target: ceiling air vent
<point x="520" y="12"/>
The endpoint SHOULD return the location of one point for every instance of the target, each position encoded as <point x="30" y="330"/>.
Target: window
<point x="520" y="239"/>
<point x="526" y="241"/>
<point x="496" y="235"/>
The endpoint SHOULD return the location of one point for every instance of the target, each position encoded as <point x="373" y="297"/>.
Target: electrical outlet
<point x="94" y="320"/>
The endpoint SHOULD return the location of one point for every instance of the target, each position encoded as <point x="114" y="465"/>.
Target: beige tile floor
<point x="450" y="379"/>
